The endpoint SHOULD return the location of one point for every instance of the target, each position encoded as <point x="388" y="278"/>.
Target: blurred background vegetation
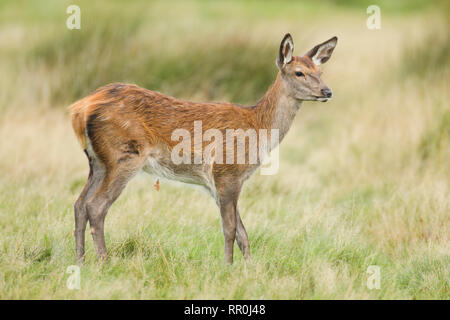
<point x="364" y="179"/>
<point x="203" y="48"/>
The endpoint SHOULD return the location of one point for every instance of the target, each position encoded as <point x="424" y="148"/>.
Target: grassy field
<point x="364" y="179"/>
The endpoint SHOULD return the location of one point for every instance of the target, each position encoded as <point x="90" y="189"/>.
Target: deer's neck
<point x="277" y="110"/>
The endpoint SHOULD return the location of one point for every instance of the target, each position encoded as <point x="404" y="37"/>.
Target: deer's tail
<point x="80" y="111"/>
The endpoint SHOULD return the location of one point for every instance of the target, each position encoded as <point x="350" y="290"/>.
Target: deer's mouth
<point x="321" y="98"/>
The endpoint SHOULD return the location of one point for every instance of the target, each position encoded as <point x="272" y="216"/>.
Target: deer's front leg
<point x="228" y="190"/>
<point x="241" y="237"/>
<point x="228" y="213"/>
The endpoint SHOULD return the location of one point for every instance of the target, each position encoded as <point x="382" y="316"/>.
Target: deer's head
<point x="301" y="74"/>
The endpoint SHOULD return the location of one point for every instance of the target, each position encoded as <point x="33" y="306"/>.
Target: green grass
<point x="363" y="179"/>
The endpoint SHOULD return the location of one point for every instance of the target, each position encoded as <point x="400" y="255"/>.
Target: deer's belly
<point x="163" y="167"/>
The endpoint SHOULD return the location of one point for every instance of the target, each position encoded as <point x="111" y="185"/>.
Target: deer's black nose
<point x="327" y="92"/>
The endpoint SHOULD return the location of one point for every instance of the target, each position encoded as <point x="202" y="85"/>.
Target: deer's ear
<point x="322" y="52"/>
<point x="286" y="50"/>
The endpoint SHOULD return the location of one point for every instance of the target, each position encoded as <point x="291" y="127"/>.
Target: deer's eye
<point x="299" y="74"/>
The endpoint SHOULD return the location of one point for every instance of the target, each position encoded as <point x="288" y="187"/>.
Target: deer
<point x="124" y="129"/>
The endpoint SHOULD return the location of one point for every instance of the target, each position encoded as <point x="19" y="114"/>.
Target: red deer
<point x="123" y="129"/>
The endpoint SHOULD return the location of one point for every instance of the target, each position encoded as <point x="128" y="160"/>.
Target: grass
<point x="363" y="180"/>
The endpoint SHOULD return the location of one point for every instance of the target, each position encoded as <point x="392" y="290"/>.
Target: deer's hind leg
<point x="121" y="151"/>
<point x="81" y="217"/>
<point x="111" y="186"/>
